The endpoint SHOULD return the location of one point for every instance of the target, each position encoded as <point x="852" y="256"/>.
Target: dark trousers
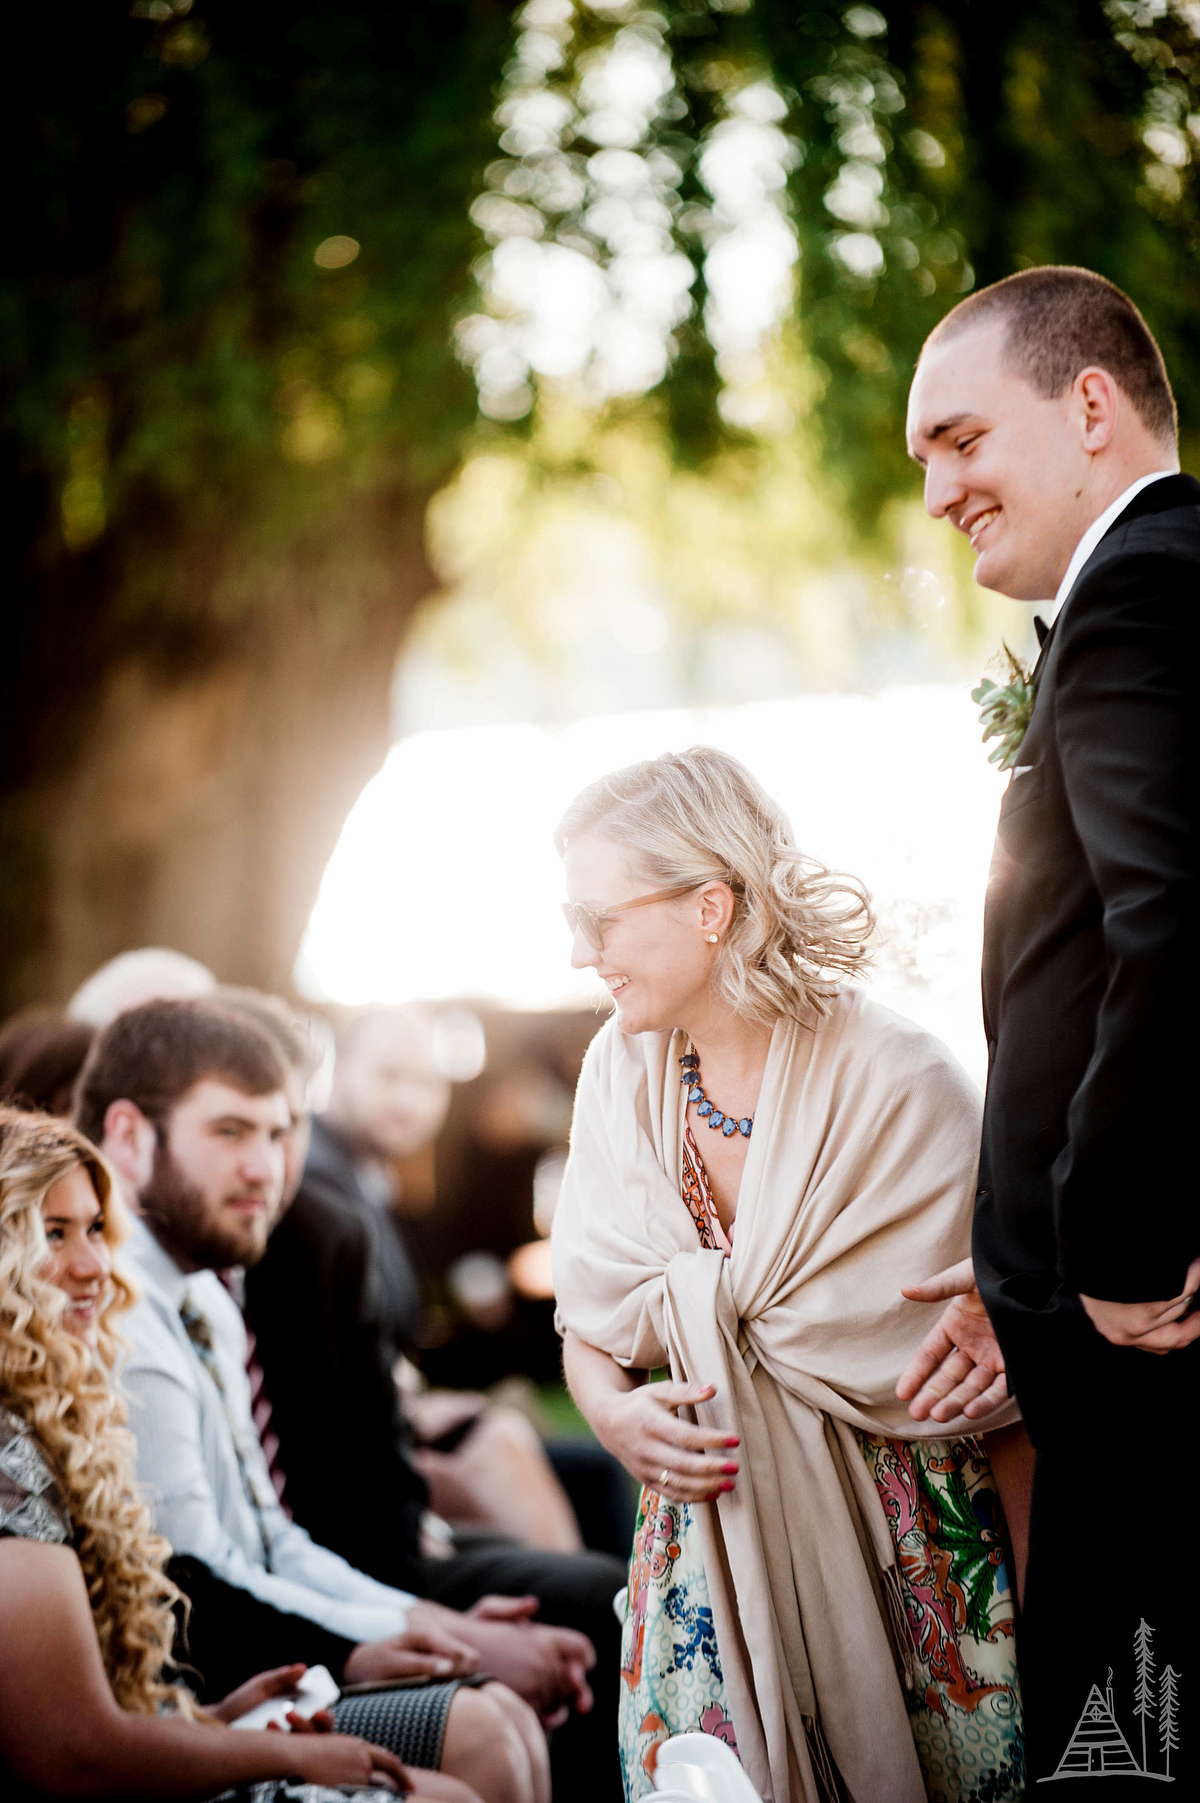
<point x="602" y="1494"/>
<point x="1109" y="1640"/>
<point x="576" y="1590"/>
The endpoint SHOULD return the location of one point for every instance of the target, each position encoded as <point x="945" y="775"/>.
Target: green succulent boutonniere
<point x="1004" y="710"/>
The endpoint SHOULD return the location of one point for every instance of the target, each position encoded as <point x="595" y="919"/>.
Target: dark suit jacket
<point x="332" y="1303"/>
<point x="1087" y="1179"/>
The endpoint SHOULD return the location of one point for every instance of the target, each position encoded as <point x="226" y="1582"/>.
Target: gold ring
<point x="665" y="1476"/>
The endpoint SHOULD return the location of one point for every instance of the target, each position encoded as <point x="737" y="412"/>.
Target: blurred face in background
<point x="388" y="1093"/>
<point x="80" y="1262"/>
<point x="218" y="1175"/>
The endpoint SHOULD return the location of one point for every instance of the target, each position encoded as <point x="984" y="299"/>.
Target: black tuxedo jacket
<point x="1087" y="1175"/>
<point x="332" y="1303"/>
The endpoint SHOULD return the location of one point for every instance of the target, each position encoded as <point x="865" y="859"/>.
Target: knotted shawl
<point x="859" y="1178"/>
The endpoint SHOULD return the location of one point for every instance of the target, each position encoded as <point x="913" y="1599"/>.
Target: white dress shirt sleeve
<point x="188" y="1465"/>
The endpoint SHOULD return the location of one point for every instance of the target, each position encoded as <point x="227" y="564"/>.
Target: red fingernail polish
<point x="733" y="1440"/>
<point x="730" y="1470"/>
<point x="725" y="1486"/>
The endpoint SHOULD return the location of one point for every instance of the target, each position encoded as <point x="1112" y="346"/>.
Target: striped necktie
<point x="199" y="1332"/>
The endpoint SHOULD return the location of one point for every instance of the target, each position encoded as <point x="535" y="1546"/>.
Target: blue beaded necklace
<point x="728" y="1124"/>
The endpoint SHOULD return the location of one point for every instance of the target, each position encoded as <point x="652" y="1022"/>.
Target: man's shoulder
<point x="1161" y="542"/>
<point x="320" y="1235"/>
<point x="324" y="1216"/>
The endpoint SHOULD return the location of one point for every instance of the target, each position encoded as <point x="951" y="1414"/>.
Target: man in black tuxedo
<point x="1042" y="415"/>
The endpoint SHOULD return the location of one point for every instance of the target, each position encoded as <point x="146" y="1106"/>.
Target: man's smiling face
<point x="1006" y="466"/>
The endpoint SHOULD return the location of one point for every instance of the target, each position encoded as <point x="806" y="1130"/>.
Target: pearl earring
<point x="712" y="938"/>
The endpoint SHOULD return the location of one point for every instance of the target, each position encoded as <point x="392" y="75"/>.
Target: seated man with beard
<point x="188" y="1101"/>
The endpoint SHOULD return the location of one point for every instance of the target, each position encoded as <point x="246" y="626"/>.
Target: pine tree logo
<point x="1098" y="1747"/>
<point x="1168" y="1726"/>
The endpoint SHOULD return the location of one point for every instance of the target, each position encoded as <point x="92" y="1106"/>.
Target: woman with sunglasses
<point x="90" y="1703"/>
<point x="761" y="1158"/>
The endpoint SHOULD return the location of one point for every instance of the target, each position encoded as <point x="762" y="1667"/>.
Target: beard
<point x="192" y="1227"/>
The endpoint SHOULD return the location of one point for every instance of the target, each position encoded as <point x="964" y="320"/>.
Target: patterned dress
<point x="945" y="1520"/>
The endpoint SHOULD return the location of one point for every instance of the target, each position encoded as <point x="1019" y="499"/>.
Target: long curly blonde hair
<point x="698" y="817"/>
<point x="63" y="1392"/>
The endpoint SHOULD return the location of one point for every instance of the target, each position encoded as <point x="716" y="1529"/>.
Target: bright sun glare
<point x="445" y="881"/>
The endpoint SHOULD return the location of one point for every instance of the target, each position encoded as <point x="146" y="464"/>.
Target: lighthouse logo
<point x="1098" y="1747"/>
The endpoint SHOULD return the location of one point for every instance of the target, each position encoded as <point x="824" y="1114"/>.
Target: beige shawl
<point x="859" y="1178"/>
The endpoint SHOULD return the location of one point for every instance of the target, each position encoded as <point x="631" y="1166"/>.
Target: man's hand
<point x="1150" y="1326"/>
<point x="503" y="1608"/>
<point x="546" y="1666"/>
<point x="432" y="1645"/>
<point x="959" y="1367"/>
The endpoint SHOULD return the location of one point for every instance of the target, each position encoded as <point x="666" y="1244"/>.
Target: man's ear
<point x="130" y="1142"/>
<point x="1098" y="400"/>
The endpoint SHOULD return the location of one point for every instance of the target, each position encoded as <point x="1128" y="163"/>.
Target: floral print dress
<point x="944" y="1514"/>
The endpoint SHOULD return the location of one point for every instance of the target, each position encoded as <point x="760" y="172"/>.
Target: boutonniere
<point x="1004" y="710"/>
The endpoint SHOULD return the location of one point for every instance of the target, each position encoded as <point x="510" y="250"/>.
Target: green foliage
<point x="174" y="341"/>
<point x="1041" y="131"/>
<point x="939" y="145"/>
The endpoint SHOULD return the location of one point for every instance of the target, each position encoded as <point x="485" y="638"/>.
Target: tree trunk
<point x="199" y="802"/>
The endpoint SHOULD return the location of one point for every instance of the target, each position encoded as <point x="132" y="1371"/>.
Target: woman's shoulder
<point x="31" y="1506"/>
<point x="866" y="1027"/>
<point x="625" y="1062"/>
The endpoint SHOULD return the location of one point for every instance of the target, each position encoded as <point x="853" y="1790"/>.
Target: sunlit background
<point x="445" y="882"/>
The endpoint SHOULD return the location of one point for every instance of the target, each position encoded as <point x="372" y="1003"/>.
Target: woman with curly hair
<point x="88" y="1702"/>
<point x="761" y="1158"/>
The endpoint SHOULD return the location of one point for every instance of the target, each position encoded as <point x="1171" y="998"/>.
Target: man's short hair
<point x="1061" y="320"/>
<point x="154" y="1054"/>
<point x="293" y="1036"/>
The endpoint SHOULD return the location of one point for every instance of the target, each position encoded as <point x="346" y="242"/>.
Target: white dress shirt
<point x="188" y="1462"/>
<point x="1094" y="534"/>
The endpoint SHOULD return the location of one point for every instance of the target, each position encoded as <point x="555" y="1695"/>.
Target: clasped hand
<point x="546" y="1666"/>
<point x="1150" y="1326"/>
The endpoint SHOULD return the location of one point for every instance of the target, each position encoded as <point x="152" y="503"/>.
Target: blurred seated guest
<point x="188" y="1100"/>
<point x="41" y="1053"/>
<point x="341" y="1246"/>
<point x="152" y="974"/>
<point x="90" y="1700"/>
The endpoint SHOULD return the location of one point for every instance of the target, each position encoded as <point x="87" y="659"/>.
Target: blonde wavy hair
<point x="698" y="816"/>
<point x="62" y="1390"/>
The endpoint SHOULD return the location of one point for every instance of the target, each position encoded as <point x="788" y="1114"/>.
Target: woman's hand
<point x="335" y="1759"/>
<point x="257" y="1690"/>
<point x="681" y="1462"/>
